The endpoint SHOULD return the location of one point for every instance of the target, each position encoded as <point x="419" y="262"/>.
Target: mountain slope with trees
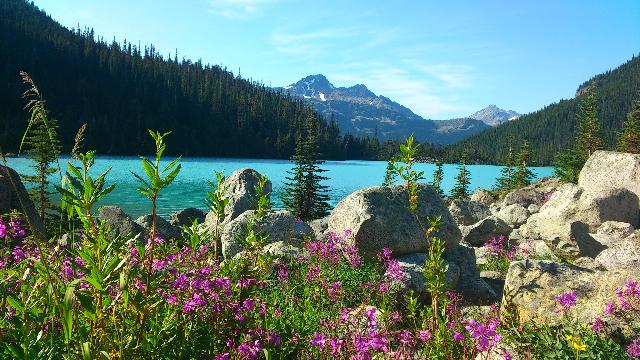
<point x="551" y="129"/>
<point x="121" y="89"/>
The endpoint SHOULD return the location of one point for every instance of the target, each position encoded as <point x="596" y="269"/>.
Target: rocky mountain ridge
<point x="359" y="111"/>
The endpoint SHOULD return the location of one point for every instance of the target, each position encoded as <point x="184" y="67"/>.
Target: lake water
<point x="191" y="185"/>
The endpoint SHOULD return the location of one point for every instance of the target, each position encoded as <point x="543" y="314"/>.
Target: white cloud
<point x="422" y="95"/>
<point x="236" y="8"/>
<point x="452" y="75"/>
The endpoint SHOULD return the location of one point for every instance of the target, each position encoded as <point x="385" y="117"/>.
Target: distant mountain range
<point x="358" y="111"/>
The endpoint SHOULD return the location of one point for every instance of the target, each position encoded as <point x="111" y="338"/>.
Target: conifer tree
<point x="438" y="175"/>
<point x="463" y="180"/>
<point x="588" y="139"/>
<point x="390" y="173"/>
<point x="522" y="176"/>
<point x="505" y="181"/>
<point x="589" y="134"/>
<point x="305" y="196"/>
<point x="629" y="140"/>
<point x="42" y="143"/>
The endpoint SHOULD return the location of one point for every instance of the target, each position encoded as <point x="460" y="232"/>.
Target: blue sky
<point x="442" y="59"/>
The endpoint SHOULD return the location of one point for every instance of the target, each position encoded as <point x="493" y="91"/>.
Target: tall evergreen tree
<point x="629" y="140"/>
<point x="505" y="181"/>
<point x="390" y="173"/>
<point x="522" y="175"/>
<point x="589" y="134"/>
<point x="41" y="142"/>
<point x="438" y="175"/>
<point x="588" y="139"/>
<point x="463" y="180"/>
<point x="305" y="196"/>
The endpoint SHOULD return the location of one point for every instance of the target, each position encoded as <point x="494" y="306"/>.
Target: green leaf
<point x="148" y="169"/>
<point x="15" y="304"/>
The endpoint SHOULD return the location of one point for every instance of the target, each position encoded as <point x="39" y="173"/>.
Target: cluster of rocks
<point x="587" y="230"/>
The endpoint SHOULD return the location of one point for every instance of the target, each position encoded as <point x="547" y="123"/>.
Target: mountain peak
<point x="493" y="115"/>
<point x="312" y="86"/>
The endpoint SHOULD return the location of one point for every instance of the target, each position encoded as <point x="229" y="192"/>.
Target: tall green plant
<point x="157" y="178"/>
<point x="41" y="141"/>
<point x="83" y="192"/>
<point x="217" y="202"/>
<point x="434" y="267"/>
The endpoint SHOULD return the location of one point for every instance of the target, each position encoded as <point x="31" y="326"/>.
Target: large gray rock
<point x="621" y="254"/>
<point x="187" y="216"/>
<point x="606" y="170"/>
<point x="532" y="285"/>
<point x="485" y="229"/>
<point x="570" y="240"/>
<point x="483" y="197"/>
<point x="164" y="229"/>
<point x="531" y="194"/>
<point x="473" y="288"/>
<point x="241" y="193"/>
<point x="277" y="225"/>
<point x="569" y="204"/>
<point x="514" y="215"/>
<point x="119" y="222"/>
<point x="466" y="212"/>
<point x="13" y="196"/>
<point x="379" y="218"/>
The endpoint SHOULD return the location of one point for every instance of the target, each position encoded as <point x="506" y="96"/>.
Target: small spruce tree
<point x="505" y="181"/>
<point x="42" y="143"/>
<point x="305" y="196"/>
<point x="522" y="176"/>
<point x="438" y="175"/>
<point x="390" y="173"/>
<point x="588" y="139"/>
<point x="629" y="140"/>
<point x="463" y="180"/>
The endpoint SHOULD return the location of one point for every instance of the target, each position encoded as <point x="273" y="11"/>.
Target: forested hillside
<point x="122" y="89"/>
<point x="552" y="128"/>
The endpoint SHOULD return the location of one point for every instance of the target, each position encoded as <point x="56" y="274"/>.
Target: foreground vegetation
<point x="97" y="296"/>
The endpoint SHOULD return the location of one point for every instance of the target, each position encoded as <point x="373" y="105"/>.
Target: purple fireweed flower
<point x="457" y="336"/>
<point x="633" y="349"/>
<point x="336" y="346"/>
<point x="318" y="340"/>
<point x="485" y="335"/>
<point x="610" y="308"/>
<point x="597" y="325"/>
<point x="565" y="301"/>
<point x="3" y="231"/>
<point x="424" y="335"/>
<point x="313" y="273"/>
<point x="222" y="356"/>
<point x="283" y="273"/>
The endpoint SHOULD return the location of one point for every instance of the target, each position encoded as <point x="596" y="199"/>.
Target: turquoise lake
<point x="191" y="185"/>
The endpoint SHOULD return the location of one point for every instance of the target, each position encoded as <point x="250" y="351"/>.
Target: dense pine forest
<point x="122" y="89"/>
<point x="552" y="128"/>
